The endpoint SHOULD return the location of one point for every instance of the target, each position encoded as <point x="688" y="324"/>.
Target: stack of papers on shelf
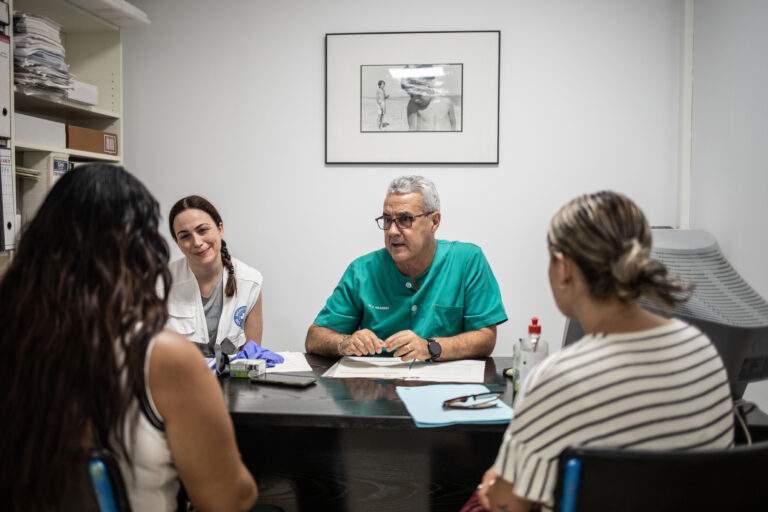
<point x="425" y="405"/>
<point x="38" y="56"/>
<point x="377" y="367"/>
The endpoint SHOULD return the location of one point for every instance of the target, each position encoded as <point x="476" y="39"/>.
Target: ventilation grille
<point x="720" y="294"/>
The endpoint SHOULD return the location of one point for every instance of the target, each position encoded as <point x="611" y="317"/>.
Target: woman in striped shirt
<point x="636" y="380"/>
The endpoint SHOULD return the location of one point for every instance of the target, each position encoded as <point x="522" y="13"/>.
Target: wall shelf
<point x="94" y="55"/>
<point x="59" y="107"/>
<point x="74" y="154"/>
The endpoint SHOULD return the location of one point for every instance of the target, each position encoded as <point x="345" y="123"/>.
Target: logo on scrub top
<point x="239" y="314"/>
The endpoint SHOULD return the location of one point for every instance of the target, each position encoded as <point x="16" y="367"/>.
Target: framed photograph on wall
<point x="412" y="98"/>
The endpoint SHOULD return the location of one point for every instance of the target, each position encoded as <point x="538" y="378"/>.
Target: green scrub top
<point x="457" y="293"/>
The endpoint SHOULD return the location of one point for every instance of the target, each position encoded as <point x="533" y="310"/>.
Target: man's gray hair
<point x="420" y="184"/>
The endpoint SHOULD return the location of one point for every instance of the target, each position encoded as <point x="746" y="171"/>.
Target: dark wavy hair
<point x="608" y="237"/>
<point x="201" y="203"/>
<point x="79" y="309"/>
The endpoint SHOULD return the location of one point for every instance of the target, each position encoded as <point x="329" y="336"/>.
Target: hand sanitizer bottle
<point x="514" y="372"/>
<point x="533" y="350"/>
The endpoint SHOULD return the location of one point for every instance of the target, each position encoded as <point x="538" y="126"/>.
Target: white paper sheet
<point x="294" y="362"/>
<point x="393" y="368"/>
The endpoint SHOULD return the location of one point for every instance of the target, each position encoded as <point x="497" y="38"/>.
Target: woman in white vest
<point x="213" y="296"/>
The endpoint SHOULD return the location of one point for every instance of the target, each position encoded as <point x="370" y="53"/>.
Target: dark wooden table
<point x="350" y="445"/>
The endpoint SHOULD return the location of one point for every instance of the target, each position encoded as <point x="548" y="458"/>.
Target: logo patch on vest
<point x="239" y="314"/>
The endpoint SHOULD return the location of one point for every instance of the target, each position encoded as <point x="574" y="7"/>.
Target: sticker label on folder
<point x="60" y="165"/>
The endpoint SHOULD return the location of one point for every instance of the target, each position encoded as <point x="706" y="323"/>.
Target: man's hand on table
<point x="360" y="343"/>
<point x="408" y="345"/>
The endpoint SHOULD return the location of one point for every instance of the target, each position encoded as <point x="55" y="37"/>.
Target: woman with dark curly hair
<point x="636" y="380"/>
<point x="86" y="361"/>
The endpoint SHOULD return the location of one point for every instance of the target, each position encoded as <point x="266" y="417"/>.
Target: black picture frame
<point x="439" y="103"/>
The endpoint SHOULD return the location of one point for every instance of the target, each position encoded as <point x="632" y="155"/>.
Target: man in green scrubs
<point x="419" y="298"/>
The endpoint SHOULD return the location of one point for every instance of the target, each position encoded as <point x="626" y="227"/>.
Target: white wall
<point x="226" y="99"/>
<point x="729" y="178"/>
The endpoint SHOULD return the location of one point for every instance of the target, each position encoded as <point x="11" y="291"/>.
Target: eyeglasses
<point x="480" y="401"/>
<point x="403" y="221"/>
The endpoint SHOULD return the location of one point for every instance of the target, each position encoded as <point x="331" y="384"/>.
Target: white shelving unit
<point x="93" y="51"/>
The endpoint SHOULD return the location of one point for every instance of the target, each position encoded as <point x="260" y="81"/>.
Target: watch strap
<point x="431" y="342"/>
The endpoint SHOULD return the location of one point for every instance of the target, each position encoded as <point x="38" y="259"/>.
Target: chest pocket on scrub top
<point x="181" y="318"/>
<point x="448" y="320"/>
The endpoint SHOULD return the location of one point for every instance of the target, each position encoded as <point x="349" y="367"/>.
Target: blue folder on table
<point x="425" y="405"/>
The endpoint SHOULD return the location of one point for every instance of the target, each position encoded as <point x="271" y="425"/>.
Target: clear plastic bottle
<point x="514" y="372"/>
<point x="533" y="350"/>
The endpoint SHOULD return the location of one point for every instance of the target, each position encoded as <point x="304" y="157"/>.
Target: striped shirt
<point x="660" y="389"/>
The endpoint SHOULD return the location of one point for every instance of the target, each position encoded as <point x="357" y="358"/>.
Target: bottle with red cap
<point x="533" y="350"/>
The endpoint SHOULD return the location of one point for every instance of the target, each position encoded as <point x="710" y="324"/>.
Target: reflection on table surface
<point x="354" y="402"/>
<point x="350" y="444"/>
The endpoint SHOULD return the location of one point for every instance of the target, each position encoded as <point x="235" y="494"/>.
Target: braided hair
<point x="202" y="204"/>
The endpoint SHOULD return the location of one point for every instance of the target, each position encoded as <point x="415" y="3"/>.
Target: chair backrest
<point x="599" y="479"/>
<point x="108" y="483"/>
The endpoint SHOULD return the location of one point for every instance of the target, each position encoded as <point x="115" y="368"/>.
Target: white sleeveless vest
<point x="185" y="306"/>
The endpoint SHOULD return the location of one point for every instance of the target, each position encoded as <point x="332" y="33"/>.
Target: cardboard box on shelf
<point x="95" y="141"/>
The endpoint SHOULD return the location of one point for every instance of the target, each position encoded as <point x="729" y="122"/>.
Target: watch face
<point x="434" y="349"/>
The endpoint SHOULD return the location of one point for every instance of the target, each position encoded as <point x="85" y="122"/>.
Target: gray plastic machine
<point x="723" y="305"/>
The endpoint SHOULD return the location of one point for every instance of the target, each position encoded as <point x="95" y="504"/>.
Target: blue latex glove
<point x="253" y="351"/>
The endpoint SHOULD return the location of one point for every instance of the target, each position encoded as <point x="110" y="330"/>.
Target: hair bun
<point x="630" y="269"/>
<point x="609" y="238"/>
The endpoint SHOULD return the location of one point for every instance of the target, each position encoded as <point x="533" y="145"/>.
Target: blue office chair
<point x="603" y="479"/>
<point x="108" y="483"/>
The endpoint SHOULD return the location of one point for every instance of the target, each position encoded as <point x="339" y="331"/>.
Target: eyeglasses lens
<point x="404" y="222"/>
<point x="481" y="401"/>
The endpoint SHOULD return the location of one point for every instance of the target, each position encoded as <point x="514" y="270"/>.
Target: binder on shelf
<point x="5" y="86"/>
<point x="5" y="13"/>
<point x="8" y="218"/>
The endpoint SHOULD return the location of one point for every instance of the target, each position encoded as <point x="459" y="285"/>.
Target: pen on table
<point x="412" y="361"/>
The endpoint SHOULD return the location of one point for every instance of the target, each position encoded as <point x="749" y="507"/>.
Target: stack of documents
<point x="292" y="362"/>
<point x="377" y="367"/>
<point x="425" y="405"/>
<point x="38" y="56"/>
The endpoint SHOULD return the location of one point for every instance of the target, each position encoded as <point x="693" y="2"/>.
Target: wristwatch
<point x="434" y="349"/>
